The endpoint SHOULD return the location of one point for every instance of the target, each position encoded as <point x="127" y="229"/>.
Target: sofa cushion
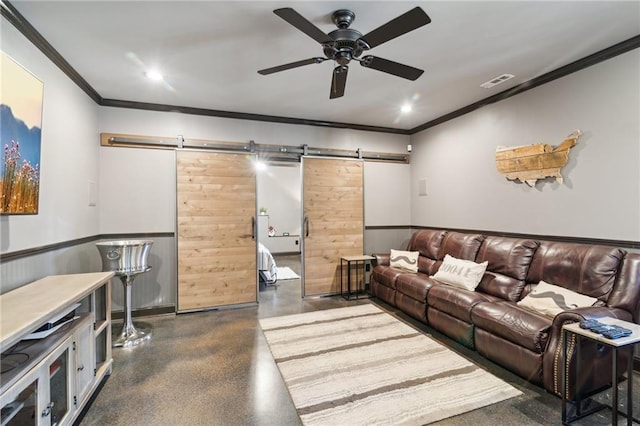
<point x="427" y="265"/>
<point x="427" y="242"/>
<point x="460" y="273"/>
<point x="509" y="260"/>
<point x="460" y="246"/>
<point x="456" y="301"/>
<point x="415" y="286"/>
<point x="405" y="260"/>
<point x="514" y="323"/>
<point x="550" y="300"/>
<point x="585" y="269"/>
<point x="625" y="294"/>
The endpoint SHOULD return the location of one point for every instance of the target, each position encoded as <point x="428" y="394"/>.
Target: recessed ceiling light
<point x="406" y="108"/>
<point x="153" y="75"/>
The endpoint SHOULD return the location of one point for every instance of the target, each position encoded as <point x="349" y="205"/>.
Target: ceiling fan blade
<point x="292" y="65"/>
<point x="338" y="81"/>
<point x="301" y="23"/>
<point x="409" y="21"/>
<point x="391" y="67"/>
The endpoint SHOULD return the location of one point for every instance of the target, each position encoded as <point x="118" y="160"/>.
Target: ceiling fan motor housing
<point x="345" y="46"/>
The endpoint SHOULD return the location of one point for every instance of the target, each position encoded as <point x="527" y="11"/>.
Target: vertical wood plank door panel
<point x="333" y="203"/>
<point x="216" y="203"/>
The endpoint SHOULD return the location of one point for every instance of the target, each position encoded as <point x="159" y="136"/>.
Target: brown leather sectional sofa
<point x="488" y="319"/>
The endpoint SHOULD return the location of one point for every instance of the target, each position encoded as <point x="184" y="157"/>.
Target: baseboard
<point x="146" y="312"/>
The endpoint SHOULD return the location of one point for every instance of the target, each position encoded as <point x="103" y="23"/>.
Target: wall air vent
<point x="495" y="81"/>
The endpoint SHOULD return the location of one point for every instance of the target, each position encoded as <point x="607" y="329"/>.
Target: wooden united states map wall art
<point x="538" y="161"/>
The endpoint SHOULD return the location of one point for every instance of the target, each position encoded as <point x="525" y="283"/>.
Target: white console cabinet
<point x="47" y="381"/>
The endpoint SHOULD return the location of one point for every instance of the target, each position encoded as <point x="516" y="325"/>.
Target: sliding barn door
<point x="333" y="223"/>
<point x="216" y="204"/>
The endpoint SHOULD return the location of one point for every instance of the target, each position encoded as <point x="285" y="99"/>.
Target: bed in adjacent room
<point x="267" y="268"/>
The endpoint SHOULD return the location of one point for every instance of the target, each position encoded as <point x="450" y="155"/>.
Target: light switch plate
<point x="422" y="187"/>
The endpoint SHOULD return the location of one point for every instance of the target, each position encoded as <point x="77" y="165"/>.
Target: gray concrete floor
<point x="215" y="368"/>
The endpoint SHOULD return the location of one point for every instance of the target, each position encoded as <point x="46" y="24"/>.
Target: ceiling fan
<point x="345" y="44"/>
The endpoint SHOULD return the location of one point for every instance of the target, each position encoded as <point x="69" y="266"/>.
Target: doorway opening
<point x="279" y="233"/>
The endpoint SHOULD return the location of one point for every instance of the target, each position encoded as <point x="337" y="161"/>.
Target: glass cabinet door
<point x="20" y="403"/>
<point x="60" y="377"/>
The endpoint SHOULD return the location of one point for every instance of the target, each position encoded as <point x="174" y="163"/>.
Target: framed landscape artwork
<point x="20" y="137"/>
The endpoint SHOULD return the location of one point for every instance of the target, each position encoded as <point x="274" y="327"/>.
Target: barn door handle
<point x="306" y="226"/>
<point x="253" y="227"/>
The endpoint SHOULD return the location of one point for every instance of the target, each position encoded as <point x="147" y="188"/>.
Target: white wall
<point x="137" y="190"/>
<point x="387" y="203"/>
<point x="69" y="156"/>
<point x="600" y="197"/>
<point x="387" y="194"/>
<point x="152" y="170"/>
<point x="279" y="189"/>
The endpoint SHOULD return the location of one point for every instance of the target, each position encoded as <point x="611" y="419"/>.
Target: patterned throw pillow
<point x="460" y="273"/>
<point x="406" y="260"/>
<point x="549" y="299"/>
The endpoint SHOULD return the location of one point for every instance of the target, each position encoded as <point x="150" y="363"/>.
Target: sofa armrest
<point x="553" y="361"/>
<point x="382" y="259"/>
<point x="589" y="312"/>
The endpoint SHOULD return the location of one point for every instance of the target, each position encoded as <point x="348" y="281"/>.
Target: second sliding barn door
<point x="216" y="204"/>
<point x="333" y="223"/>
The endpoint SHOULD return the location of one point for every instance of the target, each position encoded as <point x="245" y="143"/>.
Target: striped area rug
<point x="361" y="366"/>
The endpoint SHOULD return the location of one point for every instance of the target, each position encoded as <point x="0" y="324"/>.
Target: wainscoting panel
<point x="156" y="287"/>
<point x="381" y="239"/>
<point x="151" y="289"/>
<point x="76" y="259"/>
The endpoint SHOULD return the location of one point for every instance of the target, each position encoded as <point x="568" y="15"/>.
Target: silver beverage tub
<point x="127" y="258"/>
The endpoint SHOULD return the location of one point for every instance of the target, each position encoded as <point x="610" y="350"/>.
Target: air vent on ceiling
<point x="495" y="81"/>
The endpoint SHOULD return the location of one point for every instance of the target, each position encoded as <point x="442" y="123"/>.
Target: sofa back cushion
<point x="460" y="246"/>
<point x="427" y="242"/>
<point x="509" y="260"/>
<point x="626" y="291"/>
<point x="586" y="269"/>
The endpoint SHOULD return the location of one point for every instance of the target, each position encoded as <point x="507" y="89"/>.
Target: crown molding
<point x="8" y="11"/>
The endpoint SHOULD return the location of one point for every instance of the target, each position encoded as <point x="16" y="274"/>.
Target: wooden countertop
<point x="26" y="308"/>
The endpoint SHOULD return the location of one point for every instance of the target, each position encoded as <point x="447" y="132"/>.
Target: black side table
<point x="623" y="343"/>
<point x="349" y="260"/>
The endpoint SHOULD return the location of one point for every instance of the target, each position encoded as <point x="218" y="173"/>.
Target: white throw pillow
<point x="460" y="273"/>
<point x="549" y="299"/>
<point x="407" y="260"/>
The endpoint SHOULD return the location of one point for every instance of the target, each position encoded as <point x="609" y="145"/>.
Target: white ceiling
<point x="210" y="52"/>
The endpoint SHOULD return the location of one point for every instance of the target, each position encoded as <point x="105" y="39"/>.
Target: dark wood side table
<point x="349" y="260"/>
<point x="624" y="343"/>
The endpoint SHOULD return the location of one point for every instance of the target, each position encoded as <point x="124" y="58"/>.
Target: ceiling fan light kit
<point x="345" y="44"/>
